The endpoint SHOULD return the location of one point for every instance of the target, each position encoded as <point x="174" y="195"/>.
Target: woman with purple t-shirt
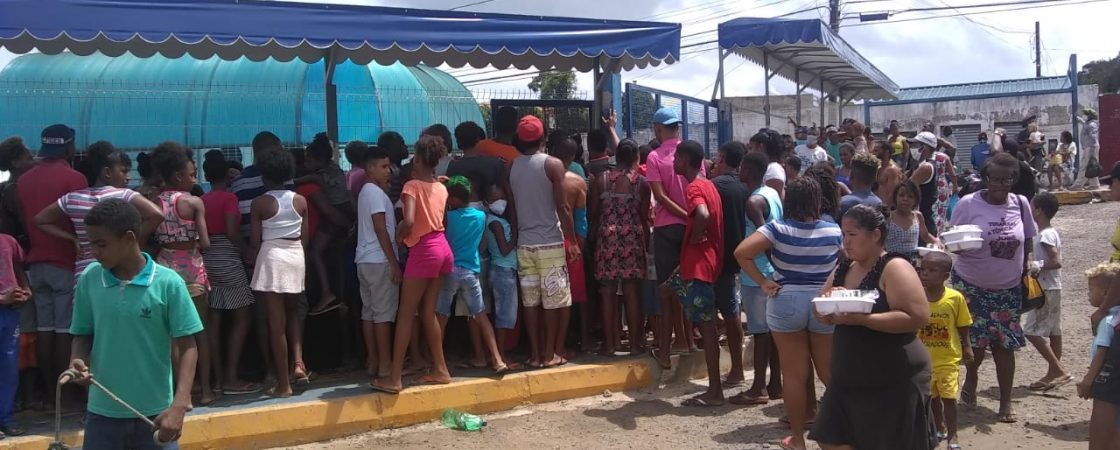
<point x="991" y="277"/>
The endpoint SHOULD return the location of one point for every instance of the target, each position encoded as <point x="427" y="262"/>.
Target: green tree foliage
<point x="1104" y="72"/>
<point x="560" y="85"/>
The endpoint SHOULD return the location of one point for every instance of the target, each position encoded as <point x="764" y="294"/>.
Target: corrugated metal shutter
<point x="1012" y="128"/>
<point x="966" y="138"/>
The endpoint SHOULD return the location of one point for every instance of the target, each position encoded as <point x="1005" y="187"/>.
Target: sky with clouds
<point x="985" y="46"/>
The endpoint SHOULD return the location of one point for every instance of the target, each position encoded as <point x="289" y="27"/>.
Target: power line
<point x="468" y="5"/>
<point x="712" y="84"/>
<point x="945" y="16"/>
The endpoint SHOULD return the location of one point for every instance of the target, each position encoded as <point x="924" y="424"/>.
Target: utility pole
<point x="834" y="15"/>
<point x="1037" y="51"/>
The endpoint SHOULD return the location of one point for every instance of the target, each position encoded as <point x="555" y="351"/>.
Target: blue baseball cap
<point x="666" y="116"/>
<point x="55" y="140"/>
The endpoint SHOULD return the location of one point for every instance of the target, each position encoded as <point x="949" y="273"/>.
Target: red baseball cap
<point x="530" y="129"/>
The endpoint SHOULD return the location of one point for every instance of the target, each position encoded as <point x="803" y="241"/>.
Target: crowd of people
<point x="517" y="233"/>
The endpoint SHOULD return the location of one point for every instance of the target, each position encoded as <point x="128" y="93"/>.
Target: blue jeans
<point x="9" y="362"/>
<point x="106" y="433"/>
<point x="503" y="281"/>
<point x="465" y="283"/>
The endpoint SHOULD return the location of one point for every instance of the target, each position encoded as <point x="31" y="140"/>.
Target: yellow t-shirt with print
<point x="1115" y="241"/>
<point x="941" y="336"/>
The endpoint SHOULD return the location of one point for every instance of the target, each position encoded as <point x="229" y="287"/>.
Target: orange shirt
<point x="490" y="147"/>
<point x="431" y="201"/>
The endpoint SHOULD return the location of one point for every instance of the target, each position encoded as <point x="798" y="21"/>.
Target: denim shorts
<point x="792" y="310"/>
<point x="754" y="305"/>
<point x="107" y="433"/>
<point x="503" y="282"/>
<point x="465" y="283"/>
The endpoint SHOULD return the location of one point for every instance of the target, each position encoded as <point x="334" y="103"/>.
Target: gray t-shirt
<point x="537" y="222"/>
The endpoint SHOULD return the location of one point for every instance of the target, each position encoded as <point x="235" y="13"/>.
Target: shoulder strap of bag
<point x="1023" y="221"/>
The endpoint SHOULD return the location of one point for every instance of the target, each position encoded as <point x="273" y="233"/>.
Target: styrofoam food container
<point x="846" y="301"/>
<point x="961" y="233"/>
<point x="923" y="251"/>
<point x="964" y="244"/>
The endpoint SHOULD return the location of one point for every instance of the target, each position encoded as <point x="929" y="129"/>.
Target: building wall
<point x="1054" y="112"/>
<point x="747" y="113"/>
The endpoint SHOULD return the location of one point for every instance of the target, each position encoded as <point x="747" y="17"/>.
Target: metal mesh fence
<point x="137" y="115"/>
<point x="700" y="118"/>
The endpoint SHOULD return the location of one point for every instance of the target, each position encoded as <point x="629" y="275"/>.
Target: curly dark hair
<point x="394" y="144"/>
<point x="429" y="150"/>
<point x="276" y="166"/>
<point x="11" y="149"/>
<point x="169" y="158"/>
<point x="825" y="175"/>
<point x="803" y="200"/>
<point x="99" y="156"/>
<point x="215" y="167"/>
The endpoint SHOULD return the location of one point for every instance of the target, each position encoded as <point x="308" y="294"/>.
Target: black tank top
<point x="863" y="358"/>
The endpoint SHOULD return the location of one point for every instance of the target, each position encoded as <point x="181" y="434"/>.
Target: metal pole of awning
<point x="766" y="72"/>
<point x="331" y="94"/>
<point x="823" y="122"/>
<point x="797" y="82"/>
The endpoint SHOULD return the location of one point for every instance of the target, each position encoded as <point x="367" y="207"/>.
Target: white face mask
<point x="498" y="207"/>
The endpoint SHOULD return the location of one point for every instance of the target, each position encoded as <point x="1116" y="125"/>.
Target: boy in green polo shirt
<point x="137" y="309"/>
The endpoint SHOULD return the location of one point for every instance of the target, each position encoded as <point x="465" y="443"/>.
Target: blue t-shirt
<point x="1106" y="330"/>
<point x="858" y="198"/>
<point x="774" y="201"/>
<point x="496" y="257"/>
<point x="802" y="253"/>
<point x="464" y="233"/>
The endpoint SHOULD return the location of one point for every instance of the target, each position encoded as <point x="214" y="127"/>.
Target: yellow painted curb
<point x="312" y="421"/>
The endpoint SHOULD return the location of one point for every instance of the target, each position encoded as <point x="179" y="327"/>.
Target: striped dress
<point x="802" y="253"/>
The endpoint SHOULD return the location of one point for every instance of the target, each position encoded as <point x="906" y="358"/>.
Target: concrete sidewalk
<point x="341" y="406"/>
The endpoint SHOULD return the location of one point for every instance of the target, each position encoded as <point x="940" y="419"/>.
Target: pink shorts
<point x="429" y="258"/>
<point x="189" y="265"/>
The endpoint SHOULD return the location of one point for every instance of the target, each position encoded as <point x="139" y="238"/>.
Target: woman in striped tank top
<point x="803" y="250"/>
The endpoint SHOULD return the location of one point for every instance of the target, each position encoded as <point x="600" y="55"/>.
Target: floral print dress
<point x="941" y="173"/>
<point x="621" y="252"/>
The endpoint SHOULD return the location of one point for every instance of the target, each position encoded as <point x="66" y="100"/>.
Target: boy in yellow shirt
<point x="946" y="337"/>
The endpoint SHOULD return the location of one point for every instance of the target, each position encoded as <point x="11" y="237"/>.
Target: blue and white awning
<point x="807" y="46"/>
<point x="284" y="31"/>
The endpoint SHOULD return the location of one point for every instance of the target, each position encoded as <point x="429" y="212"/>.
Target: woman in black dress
<point x="879" y="395"/>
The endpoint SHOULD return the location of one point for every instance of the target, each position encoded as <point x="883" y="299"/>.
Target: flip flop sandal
<point x="1058" y="383"/>
<point x="1040" y="385"/>
<point x="501" y="369"/>
<point x="430" y="380"/>
<point x="1007" y="418"/>
<point x="699" y="402"/>
<point x="786" y="443"/>
<point x="954" y="446"/>
<point x="242" y="390"/>
<point x="532" y="365"/>
<point x="384" y="389"/>
<point x="468" y="366"/>
<point x="330" y="307"/>
<point x="745" y="400"/>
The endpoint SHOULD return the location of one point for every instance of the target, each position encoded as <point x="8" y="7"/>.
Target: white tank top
<point x="286" y="224"/>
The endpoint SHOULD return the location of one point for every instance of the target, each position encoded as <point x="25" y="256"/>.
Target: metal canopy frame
<point x="258" y="30"/>
<point x="833" y="68"/>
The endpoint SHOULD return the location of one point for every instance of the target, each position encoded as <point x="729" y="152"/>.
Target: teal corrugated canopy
<point x="136" y="103"/>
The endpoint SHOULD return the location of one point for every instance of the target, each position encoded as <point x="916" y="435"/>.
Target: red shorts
<point x="577" y="278"/>
<point x="27" y="359"/>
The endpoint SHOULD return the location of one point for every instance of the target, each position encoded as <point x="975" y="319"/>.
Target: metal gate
<point x="569" y="115"/>
<point x="700" y="117"/>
